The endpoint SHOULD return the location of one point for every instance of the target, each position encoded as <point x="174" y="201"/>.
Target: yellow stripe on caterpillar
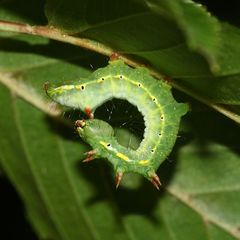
<point x="63" y="88"/>
<point x="122" y="156"/>
<point x="100" y="80"/>
<point x="143" y="162"/>
<point x="104" y="144"/>
<point x="67" y="87"/>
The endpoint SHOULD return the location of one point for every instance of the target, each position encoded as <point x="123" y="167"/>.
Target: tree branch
<point x="56" y="34"/>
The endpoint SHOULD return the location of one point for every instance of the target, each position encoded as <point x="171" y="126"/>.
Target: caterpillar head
<point x="93" y="128"/>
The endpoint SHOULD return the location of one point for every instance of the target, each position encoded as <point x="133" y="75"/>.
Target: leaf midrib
<point x="206" y="215"/>
<point x="39" y="187"/>
<point x="78" y="200"/>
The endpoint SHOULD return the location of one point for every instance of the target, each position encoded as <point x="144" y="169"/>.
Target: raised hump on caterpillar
<point x="154" y="100"/>
<point x="114" y="56"/>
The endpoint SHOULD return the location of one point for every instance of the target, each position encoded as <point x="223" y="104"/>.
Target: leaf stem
<point x="56" y="34"/>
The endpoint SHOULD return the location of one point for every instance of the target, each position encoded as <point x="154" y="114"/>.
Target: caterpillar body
<point x="153" y="99"/>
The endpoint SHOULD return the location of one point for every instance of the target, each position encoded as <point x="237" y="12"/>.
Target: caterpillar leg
<point x="118" y="178"/>
<point x="90" y="156"/>
<point x="89" y="113"/>
<point x="156" y="181"/>
<point x="80" y="124"/>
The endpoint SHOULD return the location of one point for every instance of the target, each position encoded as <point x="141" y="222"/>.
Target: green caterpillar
<point x="153" y="99"/>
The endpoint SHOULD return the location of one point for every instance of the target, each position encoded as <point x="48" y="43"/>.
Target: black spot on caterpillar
<point x="153" y="99"/>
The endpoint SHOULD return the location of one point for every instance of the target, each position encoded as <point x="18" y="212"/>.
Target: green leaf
<point x="30" y="12"/>
<point x="203" y="181"/>
<point x="223" y="88"/>
<point x="212" y="163"/>
<point x="15" y="165"/>
<point x="75" y="16"/>
<point x="179" y="24"/>
<point x="200" y="28"/>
